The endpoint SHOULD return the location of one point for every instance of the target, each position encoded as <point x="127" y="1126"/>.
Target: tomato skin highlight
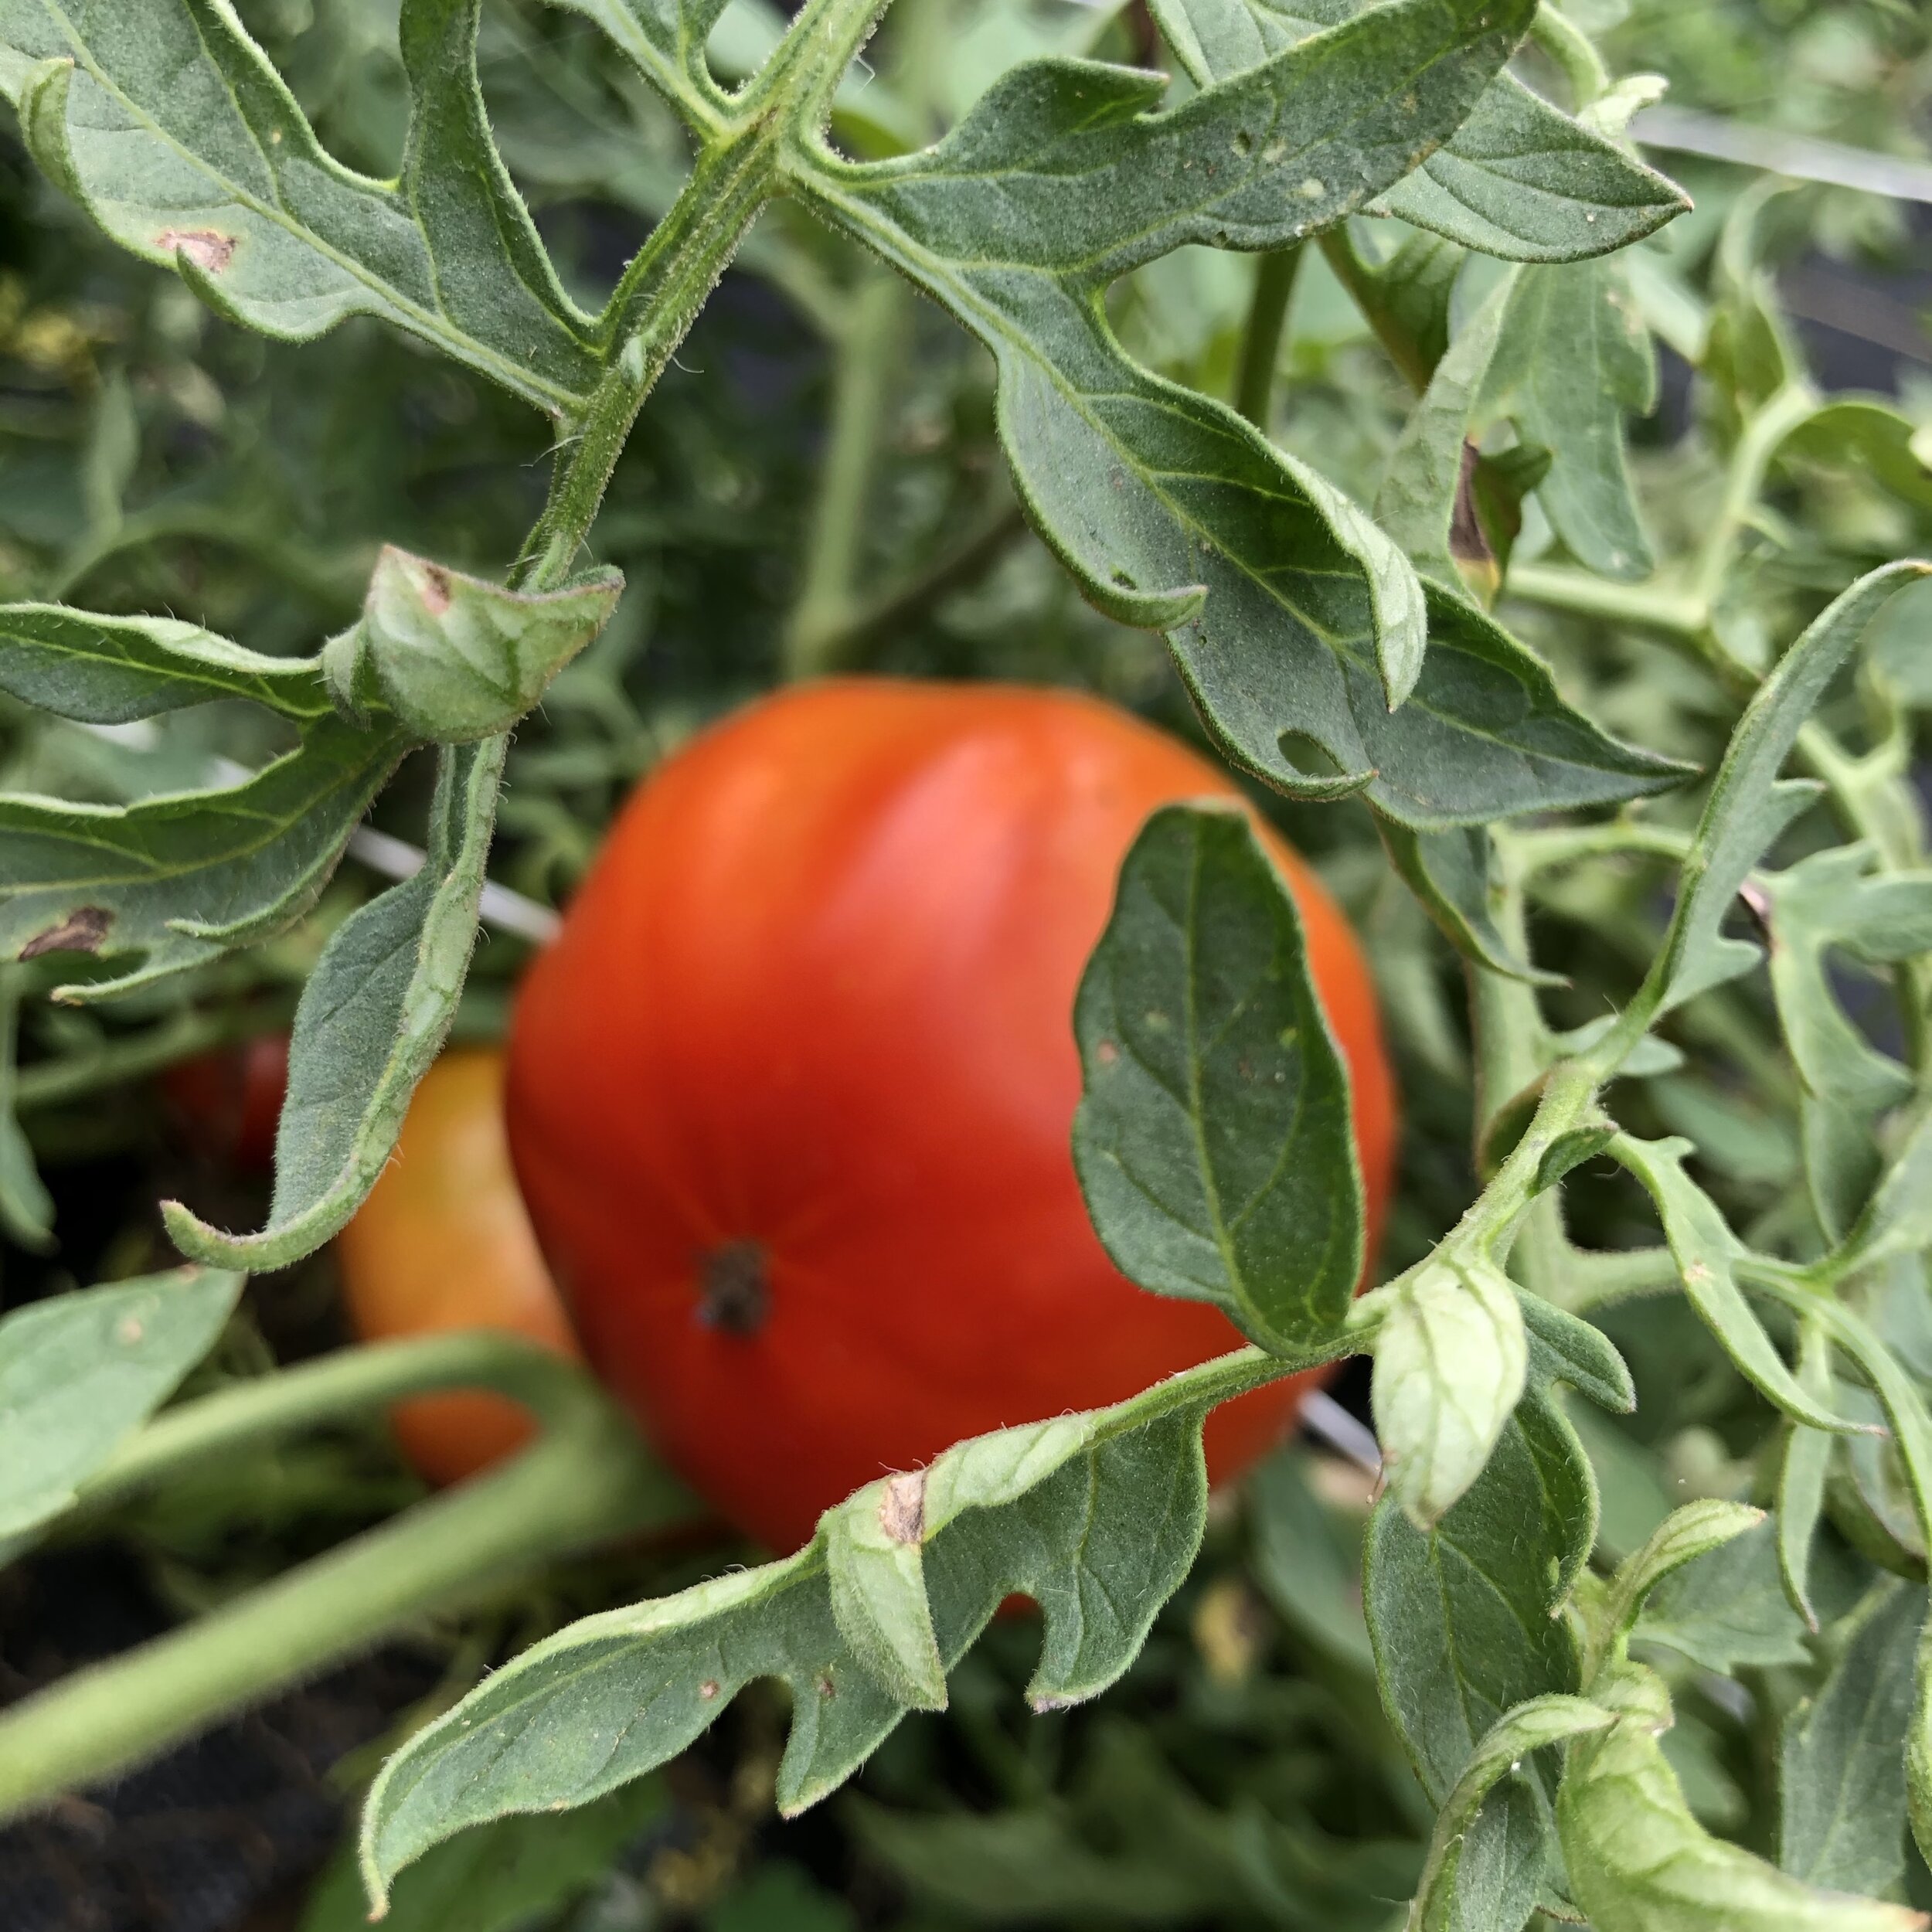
<point x="790" y="1097"/>
<point x="443" y="1242"/>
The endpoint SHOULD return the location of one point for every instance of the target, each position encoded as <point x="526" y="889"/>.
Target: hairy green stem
<point x="586" y="1481"/>
<point x="116" y="1060"/>
<point x="1261" y="339"/>
<point x="1768" y="426"/>
<point x="1677" y="614"/>
<point x="1571" y="48"/>
<point x="866" y="365"/>
<point x="851" y="644"/>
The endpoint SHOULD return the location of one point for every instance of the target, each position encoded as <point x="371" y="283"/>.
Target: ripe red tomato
<point x="228" y="1101"/>
<point x="790" y="1097"/>
<point x="443" y="1242"/>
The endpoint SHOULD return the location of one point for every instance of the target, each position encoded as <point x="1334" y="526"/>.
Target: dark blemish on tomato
<point x="81" y="931"/>
<point x="734" y="1290"/>
<point x="207" y="248"/>
<point x="902" y="1508"/>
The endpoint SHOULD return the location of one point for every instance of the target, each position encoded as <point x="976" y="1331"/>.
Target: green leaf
<point x="1727" y="1608"/>
<point x="1291" y="616"/>
<point x="875" y="1575"/>
<point x="1683" y="1536"/>
<point x="1803" y="1473"/>
<point x="1543" y="1721"/>
<point x="1306" y="1557"/>
<point x="79" y="1373"/>
<point x="1518" y="178"/>
<point x="1213" y="1140"/>
<point x="1424" y="484"/>
<point x="1897" y="1220"/>
<point x="1095" y="1516"/>
<point x="101" y="670"/>
<point x="1461" y="1619"/>
<point x="1749" y="805"/>
<point x="1449" y="872"/>
<point x="1572" y="360"/>
<point x="1639" y="1862"/>
<point x="454" y="657"/>
<point x="1841" y="1788"/>
<point x="666" y="38"/>
<point x="169" y="126"/>
<point x="1824" y="902"/>
<point x="1707" y="1254"/>
<point x="373" y="1016"/>
<point x="507" y="1877"/>
<point x="180" y="879"/>
<point x="1407" y="297"/>
<point x="1565" y="1347"/>
<point x="1450" y="1360"/>
<point x="26" y="1208"/>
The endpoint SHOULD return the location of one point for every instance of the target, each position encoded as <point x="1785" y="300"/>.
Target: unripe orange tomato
<point x="443" y="1242"/>
<point x="790" y="1097"/>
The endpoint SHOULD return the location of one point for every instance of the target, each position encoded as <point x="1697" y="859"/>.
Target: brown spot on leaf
<point x="1468" y="542"/>
<point x="207" y="248"/>
<point x="826" y="1688"/>
<point x="436" y="589"/>
<point x="81" y="931"/>
<point x="902" y="1508"/>
<point x="1106" y="1052"/>
<point x="709" y="1688"/>
<point x="734" y="1292"/>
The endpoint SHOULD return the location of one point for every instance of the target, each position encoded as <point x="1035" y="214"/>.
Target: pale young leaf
<point x="454" y="658"/>
<point x="1450" y="1360"/>
<point x="1639" y="1862"/>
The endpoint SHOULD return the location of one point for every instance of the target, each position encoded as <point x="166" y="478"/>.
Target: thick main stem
<point x="1261" y="339"/>
<point x="587" y="1480"/>
<point x="864" y="366"/>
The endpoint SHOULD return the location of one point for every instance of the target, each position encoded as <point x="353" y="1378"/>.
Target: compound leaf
<point x="1291" y="619"/>
<point x="1213" y="1140"/>
<point x="169" y="126"/>
<point x="1095" y="1516"/>
<point x="1519" y="179"/>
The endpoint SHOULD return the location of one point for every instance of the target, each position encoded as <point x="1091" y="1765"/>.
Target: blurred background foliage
<point x="815" y="486"/>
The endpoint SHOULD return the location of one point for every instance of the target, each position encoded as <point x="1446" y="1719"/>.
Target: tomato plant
<point x="791" y="1094"/>
<point x="413" y="439"/>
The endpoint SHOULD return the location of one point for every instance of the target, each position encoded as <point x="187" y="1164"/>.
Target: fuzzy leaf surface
<point x="373" y="1014"/>
<point x="1213" y="1140"/>
<point x="454" y="657"/>
<point x="179" y="880"/>
<point x="80" y="1372"/>
<point x="1519" y="178"/>
<point x="1639" y="1862"/>
<point x="1749" y="805"/>
<point x="169" y="126"/>
<point x="111" y="670"/>
<point x="1290" y="616"/>
<point x="1842" y="1791"/>
<point x="1097" y="1516"/>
